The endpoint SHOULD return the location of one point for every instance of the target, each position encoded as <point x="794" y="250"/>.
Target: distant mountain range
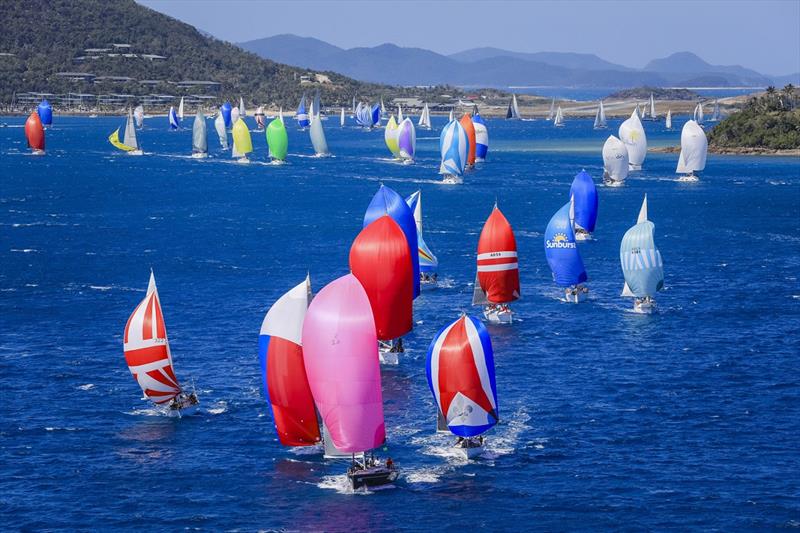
<point x="494" y="67"/>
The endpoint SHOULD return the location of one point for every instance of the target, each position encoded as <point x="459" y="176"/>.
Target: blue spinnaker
<point x="584" y="194"/>
<point x="562" y="252"/>
<point x="226" y="113"/>
<point x="45" y="112"/>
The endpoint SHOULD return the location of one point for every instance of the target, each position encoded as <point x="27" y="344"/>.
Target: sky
<point x="762" y="35"/>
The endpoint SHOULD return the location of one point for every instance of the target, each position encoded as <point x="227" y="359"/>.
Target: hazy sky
<point x="762" y="35"/>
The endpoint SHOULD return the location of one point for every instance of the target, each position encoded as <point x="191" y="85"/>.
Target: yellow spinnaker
<point x="242" y="142"/>
<point x="114" y="139"/>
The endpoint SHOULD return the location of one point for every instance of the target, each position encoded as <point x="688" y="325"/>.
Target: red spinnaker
<point x="34" y="132"/>
<point x="469" y="127"/>
<point x="498" y="270"/>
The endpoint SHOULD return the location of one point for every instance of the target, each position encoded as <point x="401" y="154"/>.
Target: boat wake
<point x="342" y="485"/>
<point x="219" y="408"/>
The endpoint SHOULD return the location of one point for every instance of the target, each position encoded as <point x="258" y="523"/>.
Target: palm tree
<point x="788" y="90"/>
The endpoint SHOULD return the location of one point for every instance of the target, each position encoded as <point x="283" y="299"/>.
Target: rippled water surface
<point x="609" y="420"/>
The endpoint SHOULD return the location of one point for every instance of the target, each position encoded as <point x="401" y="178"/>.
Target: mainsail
<point x="631" y="132"/>
<point x="512" y="112"/>
<point x="668" y="122"/>
<point x="694" y="149"/>
<point x="653" y="114"/>
<point x="481" y="137"/>
<point x="341" y="119"/>
<point x="425" y="118"/>
<point x="716" y="116"/>
<point x="317" y="134"/>
<point x="562" y="251"/>
<point x="698" y="113"/>
<point x="552" y="113"/>
<point x="199" y="136"/>
<point x="242" y="111"/>
<point x="600" y="118"/>
<point x="498" y="267"/>
<point x="615" y="160"/>
<point x="558" y="121"/>
<point x="180" y="109"/>
<point x="138" y="114"/>
<point x="129" y="139"/>
<point x="641" y="261"/>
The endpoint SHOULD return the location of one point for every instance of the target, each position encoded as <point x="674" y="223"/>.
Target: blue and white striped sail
<point x="584" y="194"/>
<point x="364" y="115"/>
<point x="481" y="137"/>
<point x="453" y="144"/>
<point x="302" y="114"/>
<point x="428" y="263"/>
<point x="174" y="122"/>
<point x="562" y="251"/>
<point x="641" y="261"/>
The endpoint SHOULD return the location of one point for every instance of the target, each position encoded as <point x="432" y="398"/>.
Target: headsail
<point x="317" y="134"/>
<point x="242" y="143"/>
<point x="469" y="129"/>
<point x="277" y="139"/>
<point x="45" y="112"/>
<point x="302" y="115"/>
<point x="425" y="118"/>
<point x="390" y="137"/>
<point x="225" y="110"/>
<point x="34" y="132"/>
<point x="407" y="140"/>
<point x="180" y="109"/>
<point x="600" y="118"/>
<point x="174" y="121"/>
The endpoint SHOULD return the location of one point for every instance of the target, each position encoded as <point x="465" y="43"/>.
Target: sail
<point x="146" y="349"/>
<point x="242" y="110"/>
<point x="699" y="116"/>
<point x="511" y="111"/>
<point x="515" y="107"/>
<point x="34" y="132"/>
<point x="277" y="139"/>
<point x="694" y="148"/>
<point x="641" y="261"/>
<point x="427" y="261"/>
<point x="174" y="121"/>
<point x="600" y="117"/>
<point x="235" y="115"/>
<point x="668" y="123"/>
<point x="714" y="117"/>
<point x="45" y="112"/>
<point x="259" y="114"/>
<point x="340" y="351"/>
<point x="138" y="114"/>
<point x="225" y="109"/>
<point x="425" y="118"/>
<point x="481" y="137"/>
<point x="399" y="113"/>
<point x="561" y="251"/>
<point x="451" y="117"/>
<point x="180" y="109"/>
<point x="317" y="134"/>
<point x="407" y="139"/>
<point x="469" y="128"/>
<point x="199" y="136"/>
<point x="114" y="140"/>
<point x="280" y="352"/>
<point x="453" y="145"/>
<point x="381" y="260"/>
<point x="552" y="113"/>
<point x="242" y="143"/>
<point x="653" y="114"/>
<point x="130" y="133"/>
<point x="461" y="376"/>
<point x="498" y="267"/>
<point x="302" y="115"/>
<point x="364" y="115"/>
<point x="317" y="104"/>
<point x="584" y="194"/>
<point x="387" y="202"/>
<point x="376" y="115"/>
<point x="615" y="159"/>
<point x="631" y="132"/>
<point x="341" y="119"/>
<point x="353" y="108"/>
<point x="219" y="125"/>
<point x="382" y="108"/>
<point x="390" y="137"/>
<point x="559" y="118"/>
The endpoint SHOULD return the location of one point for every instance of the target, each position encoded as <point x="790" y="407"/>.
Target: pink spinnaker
<point x="340" y="349"/>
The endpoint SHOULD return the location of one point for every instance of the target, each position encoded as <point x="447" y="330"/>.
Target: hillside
<point x="694" y="71"/>
<point x="766" y="123"/>
<point x="561" y="59"/>
<point x="123" y="47"/>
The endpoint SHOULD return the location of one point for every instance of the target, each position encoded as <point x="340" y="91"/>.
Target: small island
<point x="659" y="93"/>
<point x="767" y="124"/>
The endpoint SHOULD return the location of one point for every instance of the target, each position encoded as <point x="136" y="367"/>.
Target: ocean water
<point x="592" y="94"/>
<point x="686" y="419"/>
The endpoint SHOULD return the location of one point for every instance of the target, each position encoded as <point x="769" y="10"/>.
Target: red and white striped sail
<point x="147" y="349"/>
<point x="498" y="270"/>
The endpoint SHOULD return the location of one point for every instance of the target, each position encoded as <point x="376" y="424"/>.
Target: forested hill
<point x="42" y="38"/>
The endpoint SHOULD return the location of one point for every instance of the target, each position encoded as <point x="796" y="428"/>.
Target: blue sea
<point x="593" y="94"/>
<point x="686" y="419"/>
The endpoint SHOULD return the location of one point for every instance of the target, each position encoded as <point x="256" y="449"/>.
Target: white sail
<point x="716" y="116"/>
<point x="425" y="118"/>
<point x="450" y="119"/>
<point x="600" y="117"/>
<point x="219" y="125"/>
<point x="653" y="114"/>
<point x="180" y="109"/>
<point x="138" y="114"/>
<point x="551" y="115"/>
<point x="698" y="113"/>
<point x="632" y="134"/>
<point x="130" y="133"/>
<point x="399" y="114"/>
<point x="242" y="111"/>
<point x="515" y="106"/>
<point x="341" y="118"/>
<point x="615" y="160"/>
<point x="694" y="148"/>
<point x="559" y="118"/>
<point x="643" y="211"/>
<point x="669" y="119"/>
<point x="318" y="137"/>
<point x="199" y="137"/>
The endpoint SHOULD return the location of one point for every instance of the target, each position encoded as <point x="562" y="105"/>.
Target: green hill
<point x="768" y="122"/>
<point x="46" y="45"/>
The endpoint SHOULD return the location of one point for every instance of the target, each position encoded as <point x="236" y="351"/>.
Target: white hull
<point x="644" y="308"/>
<point x="199" y="155"/>
<point x="613" y="183"/>
<point x="37" y="152"/>
<point x="574" y="298"/>
<point x="277" y="162"/>
<point x="498" y="316"/>
<point x="135" y="152"/>
<point x="581" y="236"/>
<point x="243" y="161"/>
<point x="691" y="178"/>
<point x="386" y="355"/>
<point x="449" y="179"/>
<point x="631" y="167"/>
<point x="470" y="452"/>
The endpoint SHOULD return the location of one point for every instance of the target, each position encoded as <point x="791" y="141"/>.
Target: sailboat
<point x="716" y="116"/>
<point x="280" y="352"/>
<point x="302" y="116"/>
<point x="451" y="116"/>
<point x="497" y="277"/>
<point x="481" y="138"/>
<point x="652" y="115"/>
<point x="600" y="118"/>
<point x="558" y="121"/>
<point x="129" y="144"/>
<point x="668" y="122"/>
<point x="390" y="134"/>
<point x="242" y="143"/>
<point x="469" y="128"/>
<point x="381" y="261"/>
<point x="425" y="118"/>
<point x="694" y="149"/>
<point x="353" y="108"/>
<point x="199" y="136"/>
<point x="399" y="113"/>
<point x="277" y="140"/>
<point x="453" y="145"/>
<point x="428" y="264"/>
<point x="235" y="115"/>
<point x="382" y="111"/>
<point x="259" y="115"/>
<point x="641" y="262"/>
<point x="407" y="141"/>
<point x="615" y="162"/>
<point x="363" y="115"/>
<point x="174" y="121"/>
<point x="180" y="110"/>
<point x="699" y="117"/>
<point x="149" y="359"/>
<point x="563" y="256"/>
<point x="461" y="376"/>
<point x="34" y="134"/>
<point x="631" y="132"/>
<point x="138" y="115"/>
<point x="341" y="119"/>
<point x="584" y="196"/>
<point x="225" y="110"/>
<point x="512" y="113"/>
<point x="318" y="140"/>
<point x="316" y="105"/>
<point x="45" y="112"/>
<point x="242" y="110"/>
<point x="376" y="115"/>
<point x="552" y="113"/>
<point x="219" y="125"/>
<point x="340" y="354"/>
